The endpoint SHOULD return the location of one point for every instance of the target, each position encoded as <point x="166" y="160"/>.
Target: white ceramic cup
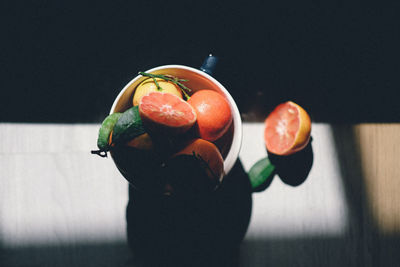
<point x="197" y="80"/>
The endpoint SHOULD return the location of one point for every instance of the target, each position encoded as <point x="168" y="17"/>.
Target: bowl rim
<point x="234" y="150"/>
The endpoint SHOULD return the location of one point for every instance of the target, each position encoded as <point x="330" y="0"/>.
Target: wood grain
<point x="379" y="149"/>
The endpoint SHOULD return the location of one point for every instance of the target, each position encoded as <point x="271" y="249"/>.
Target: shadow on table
<point x="164" y="233"/>
<point x="294" y="169"/>
<point x="315" y="251"/>
<point x="361" y="243"/>
<point x="171" y="231"/>
<point x="62" y="255"/>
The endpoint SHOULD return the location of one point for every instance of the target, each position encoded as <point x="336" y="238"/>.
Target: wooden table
<point x="62" y="206"/>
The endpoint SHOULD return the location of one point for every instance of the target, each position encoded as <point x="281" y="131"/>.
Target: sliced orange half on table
<point x="287" y="129"/>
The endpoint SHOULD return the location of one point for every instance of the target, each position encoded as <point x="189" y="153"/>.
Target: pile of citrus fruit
<point x="168" y="125"/>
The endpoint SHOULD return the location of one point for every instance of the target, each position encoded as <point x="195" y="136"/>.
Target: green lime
<point x="105" y="131"/>
<point x="128" y="126"/>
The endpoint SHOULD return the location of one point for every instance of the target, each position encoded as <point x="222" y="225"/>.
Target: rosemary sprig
<point x="169" y="78"/>
<point x="157" y="84"/>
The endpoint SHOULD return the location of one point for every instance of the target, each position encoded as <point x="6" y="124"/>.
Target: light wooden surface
<point x="379" y="150"/>
<point x="62" y="206"/>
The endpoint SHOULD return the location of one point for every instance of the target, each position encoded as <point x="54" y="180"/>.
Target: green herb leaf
<point x="261" y="174"/>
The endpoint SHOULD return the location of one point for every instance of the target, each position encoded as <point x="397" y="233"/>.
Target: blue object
<point x="209" y="64"/>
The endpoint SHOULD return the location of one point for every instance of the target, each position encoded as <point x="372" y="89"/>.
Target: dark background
<point x="66" y="61"/>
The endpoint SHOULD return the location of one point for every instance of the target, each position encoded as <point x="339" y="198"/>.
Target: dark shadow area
<point x="207" y="231"/>
<point x="66" y="62"/>
<point x="161" y="232"/>
<point x="315" y="251"/>
<point x="373" y="246"/>
<point x="361" y="221"/>
<point x="100" y="254"/>
<point x="294" y="169"/>
<point x="2" y="253"/>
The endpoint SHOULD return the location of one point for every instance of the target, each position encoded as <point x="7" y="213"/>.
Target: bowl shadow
<point x="205" y="231"/>
<point x="294" y="169"/>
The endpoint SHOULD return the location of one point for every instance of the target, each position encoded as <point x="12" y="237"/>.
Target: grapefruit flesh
<point x="214" y="114"/>
<point x="287" y="129"/>
<point x="165" y="112"/>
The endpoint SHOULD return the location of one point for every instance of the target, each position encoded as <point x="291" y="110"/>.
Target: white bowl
<point x="197" y="80"/>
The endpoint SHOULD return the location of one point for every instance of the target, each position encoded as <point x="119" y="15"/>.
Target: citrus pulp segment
<point x="287" y="129"/>
<point x="166" y="113"/>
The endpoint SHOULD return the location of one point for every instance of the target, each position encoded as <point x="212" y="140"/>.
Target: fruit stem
<point x="101" y="153"/>
<point x="158" y="86"/>
<point x="169" y="78"/>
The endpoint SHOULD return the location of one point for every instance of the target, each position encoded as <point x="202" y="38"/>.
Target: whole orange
<point x="214" y="115"/>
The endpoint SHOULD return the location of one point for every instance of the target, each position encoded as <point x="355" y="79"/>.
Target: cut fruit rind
<point x="287" y="129"/>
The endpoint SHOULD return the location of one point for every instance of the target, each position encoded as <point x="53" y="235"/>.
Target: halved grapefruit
<point x="166" y="113"/>
<point x="287" y="129"/>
